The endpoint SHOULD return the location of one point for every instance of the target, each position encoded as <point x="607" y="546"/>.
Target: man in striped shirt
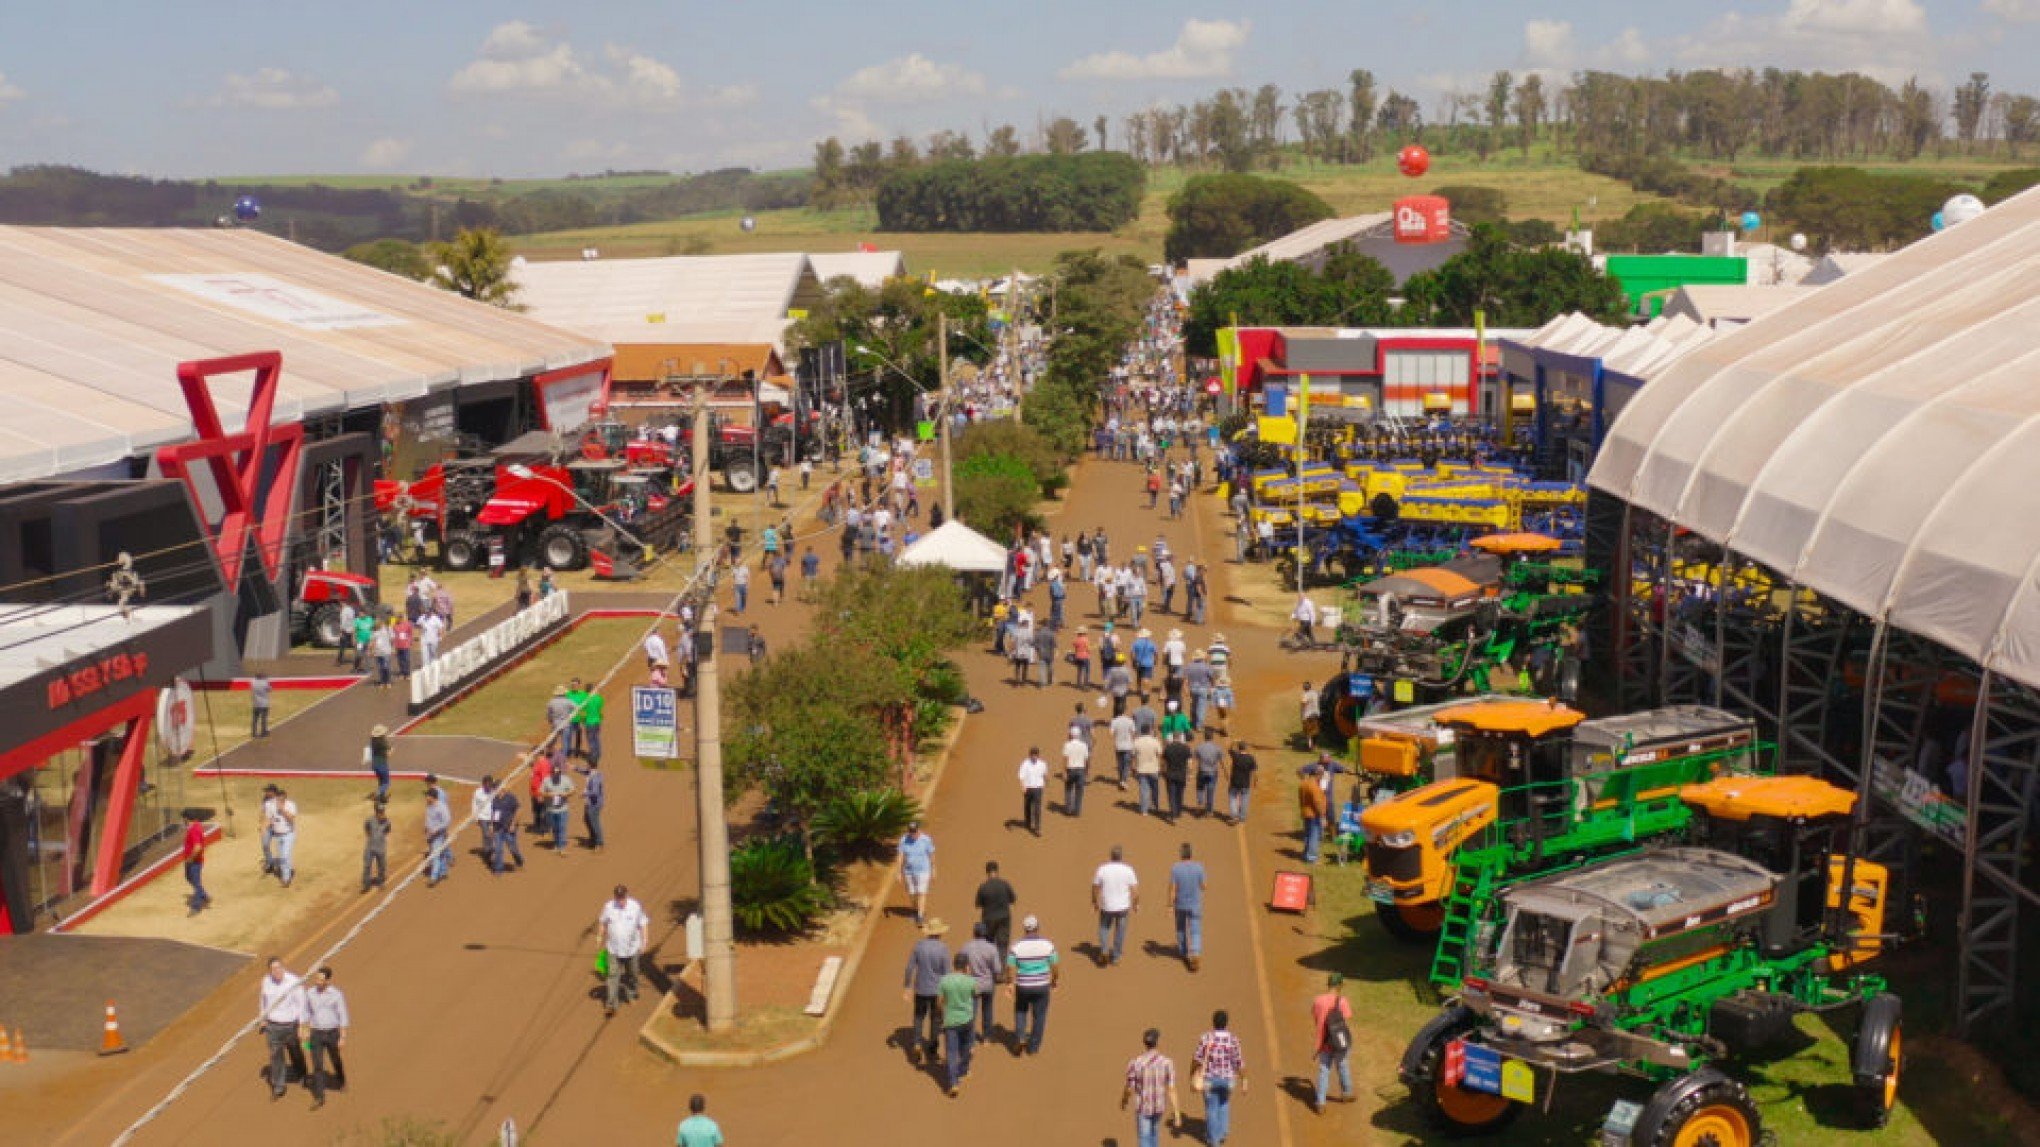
<point x="1036" y="972"/>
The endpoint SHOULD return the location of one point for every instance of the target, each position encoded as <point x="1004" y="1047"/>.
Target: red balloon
<point x="1414" y="160"/>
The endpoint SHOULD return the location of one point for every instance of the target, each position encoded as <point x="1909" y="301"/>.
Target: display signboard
<point x="275" y="299"/>
<point x="1480" y="1067"/>
<point x="176" y="722"/>
<point x="655" y="722"/>
<point x="568" y="401"/>
<point x="1423" y="219"/>
<point x="1292" y="892"/>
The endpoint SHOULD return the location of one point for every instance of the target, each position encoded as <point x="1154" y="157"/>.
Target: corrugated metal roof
<point x="93" y="322"/>
<point x="1312" y="239"/>
<point x="704" y="298"/>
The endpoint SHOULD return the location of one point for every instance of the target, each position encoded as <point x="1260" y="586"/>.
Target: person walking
<point x="1044" y="651"/>
<point x="740" y="583"/>
<point x="1147" y="770"/>
<point x="431" y="628"/>
<point x="482" y="810"/>
<point x="1240" y="781"/>
<point x="698" y="1130"/>
<point x="1331" y="1015"/>
<point x="1123" y="736"/>
<point x="1186" y="900"/>
<point x="995" y="899"/>
<point x="558" y="789"/>
<point x="594" y="794"/>
<point x="505" y="839"/>
<point x="402" y="634"/>
<point x="986" y="964"/>
<point x="1175" y="773"/>
<point x="559" y="717"/>
<point x="810" y="572"/>
<point x="375" y="848"/>
<point x="958" y="994"/>
<point x="1115" y="893"/>
<point x="1210" y="755"/>
<point x="438" y="827"/>
<point x="259" y="691"/>
<point x="589" y="718"/>
<point x="283" y="820"/>
<point x="917" y="868"/>
<point x="1151" y="1091"/>
<point x="343" y="652"/>
<point x="1076" y="772"/>
<point x="382" y="647"/>
<point x="1218" y="1071"/>
<point x="927" y="963"/>
<point x="623" y="926"/>
<point x="1080" y="655"/>
<point x="1119" y="683"/>
<point x="282" y="1008"/>
<point x="194" y="862"/>
<point x="376" y="755"/>
<point x="1033" y="780"/>
<point x="326" y="1015"/>
<point x="1308" y="710"/>
<point x="1036" y="970"/>
<point x="1311" y="805"/>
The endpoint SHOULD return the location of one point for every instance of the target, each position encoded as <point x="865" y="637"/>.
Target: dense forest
<point x="1098" y="191"/>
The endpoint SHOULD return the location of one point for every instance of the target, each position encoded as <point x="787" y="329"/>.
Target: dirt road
<point x="472" y="1001"/>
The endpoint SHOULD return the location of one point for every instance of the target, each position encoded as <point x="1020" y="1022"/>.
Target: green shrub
<point x="867" y="821"/>
<point x="1003" y="436"/>
<point x="996" y="493"/>
<point x="773" y="887"/>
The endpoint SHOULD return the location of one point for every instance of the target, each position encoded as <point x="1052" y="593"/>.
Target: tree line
<point x="1096" y="191"/>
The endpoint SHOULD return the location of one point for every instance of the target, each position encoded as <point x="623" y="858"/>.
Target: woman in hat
<point x="376" y="755"/>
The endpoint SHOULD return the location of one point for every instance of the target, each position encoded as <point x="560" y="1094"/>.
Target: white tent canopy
<point x="1877" y="440"/>
<point x="957" y="546"/>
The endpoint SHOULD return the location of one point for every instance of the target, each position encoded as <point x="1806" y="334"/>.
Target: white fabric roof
<point x="957" y="546"/>
<point x="1877" y="441"/>
<point x="1635" y="352"/>
<point x="93" y="322"/>
<point x="704" y="298"/>
<point x="1312" y="239"/>
<point x="1714" y="303"/>
<point x="1770" y="265"/>
<point x="1839" y="263"/>
<point x="870" y="268"/>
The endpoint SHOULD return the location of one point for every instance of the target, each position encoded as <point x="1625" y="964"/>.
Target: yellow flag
<point x="1302" y="404"/>
<point x="1228" y="357"/>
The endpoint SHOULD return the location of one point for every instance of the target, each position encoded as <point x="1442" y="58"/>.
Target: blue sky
<point x="542" y="87"/>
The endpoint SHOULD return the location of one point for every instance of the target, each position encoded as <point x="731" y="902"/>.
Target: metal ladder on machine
<point x="1472" y="887"/>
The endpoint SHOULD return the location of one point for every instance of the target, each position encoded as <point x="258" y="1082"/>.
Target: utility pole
<point x="720" y="972"/>
<point x="942" y="417"/>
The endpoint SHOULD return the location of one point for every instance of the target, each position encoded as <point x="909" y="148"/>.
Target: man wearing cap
<point x="622" y="924"/>
<point x="927" y="963"/>
<point x="1037" y="970"/>
<point x="376" y="755"/>
<point x="917" y="868"/>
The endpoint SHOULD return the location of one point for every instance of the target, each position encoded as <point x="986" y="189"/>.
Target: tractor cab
<point x="1523" y="748"/>
<point x="595" y="480"/>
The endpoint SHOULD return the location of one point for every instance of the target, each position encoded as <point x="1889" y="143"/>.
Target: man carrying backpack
<point x="1331" y="1015"/>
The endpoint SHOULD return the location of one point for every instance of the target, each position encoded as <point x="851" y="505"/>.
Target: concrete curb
<point x="851" y="962"/>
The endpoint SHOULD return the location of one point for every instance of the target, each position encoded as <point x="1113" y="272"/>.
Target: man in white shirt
<point x="431" y="628"/>
<point x="283" y="816"/>
<point x="482" y="807"/>
<point x="283" y="1009"/>
<point x="1076" y="771"/>
<point x="622" y="926"/>
<point x="655" y="649"/>
<point x="1305" y="617"/>
<point x="1115" y="893"/>
<point x="1033" y="779"/>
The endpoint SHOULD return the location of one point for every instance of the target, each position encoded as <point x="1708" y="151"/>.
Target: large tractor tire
<point x="1704" y="1109"/>
<point x="1878" y="1060"/>
<point x="1414" y="923"/>
<point x="324" y="626"/>
<point x="740" y="476"/>
<point x="1385" y="507"/>
<point x="464" y="551"/>
<point x="1452" y="1110"/>
<point x="562" y="548"/>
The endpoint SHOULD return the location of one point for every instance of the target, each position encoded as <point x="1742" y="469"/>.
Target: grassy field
<point x="512" y="707"/>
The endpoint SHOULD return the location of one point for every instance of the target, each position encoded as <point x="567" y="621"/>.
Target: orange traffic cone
<point x="20" y="1045"/>
<point x="6" y="1047"/>
<point x="111" y="1043"/>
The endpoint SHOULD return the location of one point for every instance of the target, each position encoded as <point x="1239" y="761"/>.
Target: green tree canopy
<point x="1654" y="228"/>
<point x="1353" y="290"/>
<point x="1514" y="287"/>
<point x="397" y="256"/>
<point x="1853" y="209"/>
<point x="476" y="265"/>
<point x="1219" y="216"/>
<point x="1065" y="191"/>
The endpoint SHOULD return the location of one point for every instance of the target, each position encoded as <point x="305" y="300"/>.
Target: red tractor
<point x="315" y="610"/>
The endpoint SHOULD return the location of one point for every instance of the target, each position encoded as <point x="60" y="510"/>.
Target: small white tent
<point x="959" y="547"/>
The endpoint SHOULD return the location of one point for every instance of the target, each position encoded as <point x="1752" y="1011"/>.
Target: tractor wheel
<point x="562" y="548"/>
<point x="1451" y="1109"/>
<point x="1879" y="1059"/>
<point x="1385" y="507"/>
<point x="1704" y="1109"/>
<point x="741" y="477"/>
<point x="463" y="552"/>
<point x="1412" y="924"/>
<point x="324" y="626"/>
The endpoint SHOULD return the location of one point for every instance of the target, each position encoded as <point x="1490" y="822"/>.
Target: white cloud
<point x="9" y="92"/>
<point x="1203" y="51"/>
<point x="520" y="58"/>
<point x="2015" y="11"/>
<point x="1548" y="43"/>
<point x="853" y="121"/>
<point x="911" y="79"/>
<point x="385" y="153"/>
<point x="1888" y="40"/>
<point x="1630" y="49"/>
<point x="272" y="89"/>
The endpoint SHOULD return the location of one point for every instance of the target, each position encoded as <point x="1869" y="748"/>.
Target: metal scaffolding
<point x="1846" y="696"/>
